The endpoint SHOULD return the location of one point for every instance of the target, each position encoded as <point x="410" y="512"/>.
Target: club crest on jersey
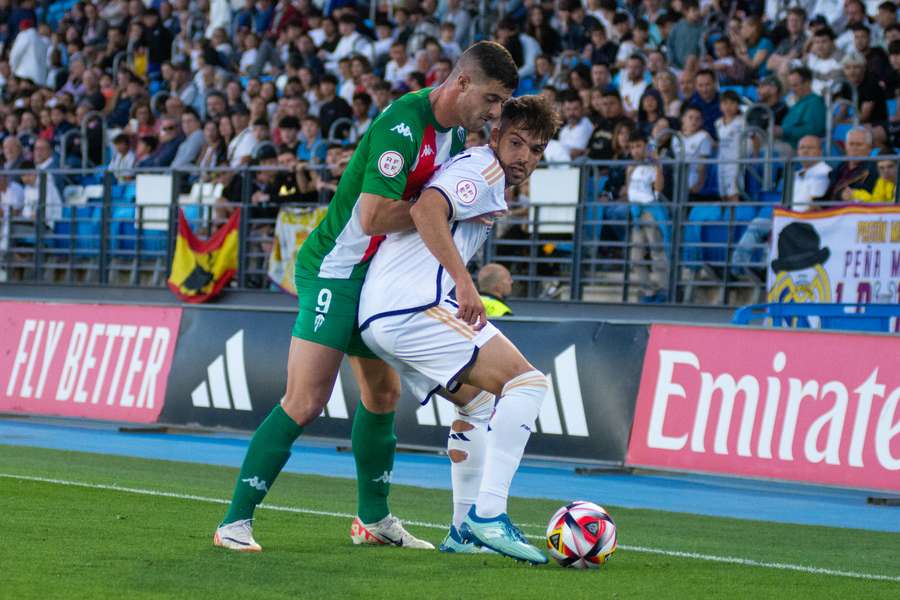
<point x="466" y="191"/>
<point x="403" y="129"/>
<point x="390" y="163"/>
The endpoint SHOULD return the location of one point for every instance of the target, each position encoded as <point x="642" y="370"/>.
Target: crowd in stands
<point x="213" y="83"/>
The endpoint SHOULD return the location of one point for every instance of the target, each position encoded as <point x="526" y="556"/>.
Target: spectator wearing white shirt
<point x="576" y="133"/>
<point x="810" y="184"/>
<point x="123" y="159"/>
<point x="12" y="199"/>
<point x="240" y="147"/>
<point x="812" y="180"/>
<point x="52" y="200"/>
<point x="351" y="42"/>
<point x="855" y="11"/>
<point x="633" y="84"/>
<point x="697" y="144"/>
<point x="400" y="65"/>
<point x="824" y="61"/>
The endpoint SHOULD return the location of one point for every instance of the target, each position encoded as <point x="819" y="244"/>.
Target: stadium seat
<point x="849" y="317"/>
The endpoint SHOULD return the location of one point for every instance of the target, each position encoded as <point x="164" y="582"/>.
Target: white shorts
<point x="429" y="348"/>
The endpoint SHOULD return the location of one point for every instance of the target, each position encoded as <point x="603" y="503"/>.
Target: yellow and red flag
<point x="201" y="268"/>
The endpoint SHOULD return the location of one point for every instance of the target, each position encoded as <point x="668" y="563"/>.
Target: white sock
<point x="511" y="426"/>
<point x="466" y="448"/>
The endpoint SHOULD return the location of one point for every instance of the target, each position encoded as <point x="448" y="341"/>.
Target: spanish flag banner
<point x="200" y="269"/>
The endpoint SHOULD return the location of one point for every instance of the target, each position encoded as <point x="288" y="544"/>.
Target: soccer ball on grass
<point x="581" y="535"/>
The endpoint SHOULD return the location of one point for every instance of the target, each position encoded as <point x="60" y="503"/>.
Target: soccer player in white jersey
<point x="420" y="312"/>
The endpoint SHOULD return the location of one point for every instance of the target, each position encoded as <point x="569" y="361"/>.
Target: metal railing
<point x="592" y="246"/>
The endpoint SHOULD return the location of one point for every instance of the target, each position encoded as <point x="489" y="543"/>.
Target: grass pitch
<point x="85" y="541"/>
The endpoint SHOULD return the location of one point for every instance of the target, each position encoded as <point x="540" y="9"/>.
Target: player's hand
<point x="471" y="308"/>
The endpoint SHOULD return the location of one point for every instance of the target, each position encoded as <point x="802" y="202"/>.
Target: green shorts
<point x="327" y="314"/>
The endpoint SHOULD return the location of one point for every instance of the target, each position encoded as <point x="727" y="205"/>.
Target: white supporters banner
<point x="849" y="254"/>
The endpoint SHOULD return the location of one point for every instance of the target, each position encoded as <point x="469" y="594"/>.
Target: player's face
<point x="518" y="151"/>
<point x="480" y="101"/>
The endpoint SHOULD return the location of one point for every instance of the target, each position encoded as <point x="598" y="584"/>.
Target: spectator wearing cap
<point x="332" y="106"/>
<point x="706" y="99"/>
<point x="871" y="107"/>
<point x="287" y="132"/>
<point x="240" y="147"/>
<point x="855" y="12"/>
<point x="807" y="115"/>
<point x="189" y="150"/>
<point x="28" y="54"/>
<point x="823" y="60"/>
<point x="770" y="93"/>
<point x="854" y="175"/>
<point x="877" y="64"/>
<point x="791" y="46"/>
<point x="685" y="40"/>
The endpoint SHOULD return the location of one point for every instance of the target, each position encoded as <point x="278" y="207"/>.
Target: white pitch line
<point x="325" y="513"/>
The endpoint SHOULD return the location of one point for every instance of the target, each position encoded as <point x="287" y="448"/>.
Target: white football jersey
<point x="404" y="277"/>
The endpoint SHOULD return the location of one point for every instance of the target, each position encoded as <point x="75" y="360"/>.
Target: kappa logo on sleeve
<point x="466" y="191"/>
<point x="404" y="130"/>
<point x="390" y="163"/>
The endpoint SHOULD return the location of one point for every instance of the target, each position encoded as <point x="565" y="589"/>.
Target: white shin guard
<point x="466" y="446"/>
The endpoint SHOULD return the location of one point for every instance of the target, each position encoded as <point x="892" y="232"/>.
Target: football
<point x="581" y="535"/>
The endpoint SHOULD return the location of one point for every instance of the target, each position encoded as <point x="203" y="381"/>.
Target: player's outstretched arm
<point x="430" y="214"/>
<point x="379" y="215"/>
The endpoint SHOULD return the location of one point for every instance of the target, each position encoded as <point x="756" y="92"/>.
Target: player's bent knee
<point x="302" y="406"/>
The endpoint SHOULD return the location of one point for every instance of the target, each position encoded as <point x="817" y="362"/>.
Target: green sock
<point x="374" y="444"/>
<point x="269" y="449"/>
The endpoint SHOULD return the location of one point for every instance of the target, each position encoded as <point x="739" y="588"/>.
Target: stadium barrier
<point x="569" y="236"/>
<point x="805" y="406"/>
<point x="777" y="404"/>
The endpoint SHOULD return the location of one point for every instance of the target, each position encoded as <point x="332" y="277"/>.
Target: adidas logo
<point x="568" y="409"/>
<point x="427" y="151"/>
<point x="403" y="129"/>
<point x="256" y="483"/>
<point x="226" y="383"/>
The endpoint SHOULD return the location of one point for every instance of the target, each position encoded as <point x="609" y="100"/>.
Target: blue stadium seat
<point x="851" y="317"/>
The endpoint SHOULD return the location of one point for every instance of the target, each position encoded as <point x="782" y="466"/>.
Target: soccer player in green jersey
<point x="405" y="144"/>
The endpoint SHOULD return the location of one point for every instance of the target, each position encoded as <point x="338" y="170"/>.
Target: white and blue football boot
<point x="500" y="535"/>
<point x="455" y="543"/>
